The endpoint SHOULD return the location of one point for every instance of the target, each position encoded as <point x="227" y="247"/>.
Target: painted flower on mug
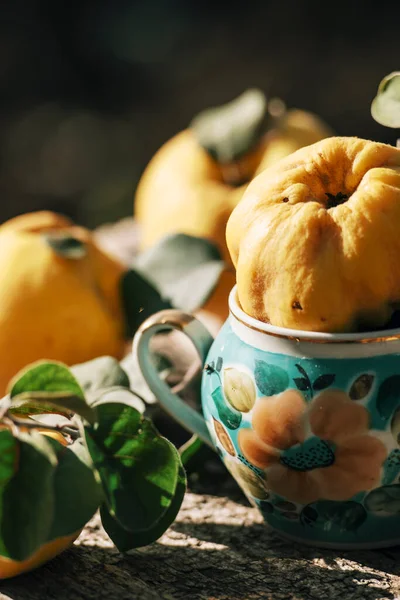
<point x="309" y="452"/>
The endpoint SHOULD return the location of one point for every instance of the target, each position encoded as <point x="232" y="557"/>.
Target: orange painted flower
<point x="310" y="452"/>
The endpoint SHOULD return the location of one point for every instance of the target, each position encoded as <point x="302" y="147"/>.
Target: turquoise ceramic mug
<point x="307" y="423"/>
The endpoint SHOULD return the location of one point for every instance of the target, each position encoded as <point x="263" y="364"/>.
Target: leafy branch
<point x="385" y="107"/>
<point x="73" y="441"/>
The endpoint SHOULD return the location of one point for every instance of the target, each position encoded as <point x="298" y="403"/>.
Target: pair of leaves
<point x="141" y="474"/>
<point x="320" y="383"/>
<point x="214" y="366"/>
<point x="122" y="463"/>
<point x="272" y="380"/>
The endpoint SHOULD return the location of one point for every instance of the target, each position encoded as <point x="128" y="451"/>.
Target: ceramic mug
<point x="307" y="423"/>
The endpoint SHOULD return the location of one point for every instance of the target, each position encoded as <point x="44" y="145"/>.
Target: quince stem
<point x="15" y="422"/>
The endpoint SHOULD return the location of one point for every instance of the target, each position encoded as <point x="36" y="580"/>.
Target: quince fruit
<point x="196" y="178"/>
<point x="316" y="238"/>
<point x="60" y="295"/>
<point x="12" y="568"/>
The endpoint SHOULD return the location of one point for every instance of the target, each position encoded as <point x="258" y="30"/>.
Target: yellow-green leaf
<point x="385" y="107"/>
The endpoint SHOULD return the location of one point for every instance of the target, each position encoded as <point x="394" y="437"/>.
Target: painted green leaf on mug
<point x="391" y="467"/>
<point x="229" y="417"/>
<point x="395" y="426"/>
<point x="324" y="381"/>
<point x="361" y="387"/>
<point x="270" y="379"/>
<point x="346" y="516"/>
<point x="302" y="384"/>
<point x="308" y="515"/>
<point x="388" y="396"/>
<point x="384" y="501"/>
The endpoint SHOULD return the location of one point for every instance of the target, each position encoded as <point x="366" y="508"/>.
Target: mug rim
<point x="300" y="335"/>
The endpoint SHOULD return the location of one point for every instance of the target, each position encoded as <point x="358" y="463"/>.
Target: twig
<point x="32" y="424"/>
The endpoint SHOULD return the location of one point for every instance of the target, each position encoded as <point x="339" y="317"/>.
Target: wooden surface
<point x="218" y="549"/>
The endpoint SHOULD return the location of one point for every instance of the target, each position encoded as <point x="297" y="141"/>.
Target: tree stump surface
<point x="217" y="549"/>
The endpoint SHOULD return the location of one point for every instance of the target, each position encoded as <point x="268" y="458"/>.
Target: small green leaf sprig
<point x="385" y="107"/>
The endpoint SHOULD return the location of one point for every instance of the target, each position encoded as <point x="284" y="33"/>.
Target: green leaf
<point x="190" y="449"/>
<point x="45" y="376"/>
<point x="64" y="244"/>
<point x="32" y="403"/>
<point x="302" y="383"/>
<point x="8" y="456"/>
<point x="185" y="269"/>
<point x="127" y="540"/>
<point x="324" y="381"/>
<point x="100" y="373"/>
<point x="229" y="131"/>
<point x="138" y="468"/>
<point x="140" y="300"/>
<point x="45" y="387"/>
<point x="270" y="379"/>
<point x="308" y="515"/>
<point x="229" y="417"/>
<point x="8" y="465"/>
<point x="119" y="395"/>
<point x="302" y="371"/>
<point x="385" y="107"/>
<point x="27" y="499"/>
<point x="361" y="387"/>
<point x="77" y="493"/>
<point x="388" y="396"/>
<point x="105" y="380"/>
<point x="347" y="516"/>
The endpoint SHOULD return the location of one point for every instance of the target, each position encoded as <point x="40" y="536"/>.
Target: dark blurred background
<point x="91" y="88"/>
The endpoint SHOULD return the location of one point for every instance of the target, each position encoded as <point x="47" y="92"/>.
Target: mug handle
<point x="167" y="320"/>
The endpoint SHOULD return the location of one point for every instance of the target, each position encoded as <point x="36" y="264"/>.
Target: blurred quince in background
<point x="64" y="297"/>
<point x="59" y="294"/>
<point x="194" y="181"/>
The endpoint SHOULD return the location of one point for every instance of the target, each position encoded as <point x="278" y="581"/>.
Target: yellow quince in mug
<point x="316" y="238"/>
